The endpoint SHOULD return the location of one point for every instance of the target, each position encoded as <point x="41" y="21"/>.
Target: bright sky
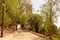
<point x="36" y="4"/>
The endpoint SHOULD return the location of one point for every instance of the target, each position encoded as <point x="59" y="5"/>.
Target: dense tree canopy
<point x="36" y="22"/>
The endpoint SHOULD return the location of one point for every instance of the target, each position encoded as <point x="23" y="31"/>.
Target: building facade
<point x="28" y="9"/>
<point x="25" y="6"/>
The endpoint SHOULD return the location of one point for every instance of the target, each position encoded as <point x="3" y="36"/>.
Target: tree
<point x="23" y="20"/>
<point x="49" y="18"/>
<point x="36" y="22"/>
<point x="2" y="16"/>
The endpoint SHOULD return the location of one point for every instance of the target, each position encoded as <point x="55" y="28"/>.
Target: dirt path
<point x="22" y="36"/>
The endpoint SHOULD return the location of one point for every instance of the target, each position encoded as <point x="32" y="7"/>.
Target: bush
<point x="55" y="37"/>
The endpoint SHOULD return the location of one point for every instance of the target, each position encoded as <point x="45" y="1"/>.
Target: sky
<point x="36" y="6"/>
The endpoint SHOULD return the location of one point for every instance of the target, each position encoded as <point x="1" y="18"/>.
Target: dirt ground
<point x="21" y="35"/>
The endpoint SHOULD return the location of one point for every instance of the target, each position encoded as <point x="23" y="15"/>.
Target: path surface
<point x="22" y="36"/>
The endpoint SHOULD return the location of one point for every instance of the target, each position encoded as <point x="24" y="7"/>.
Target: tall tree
<point x="50" y="16"/>
<point x="2" y="12"/>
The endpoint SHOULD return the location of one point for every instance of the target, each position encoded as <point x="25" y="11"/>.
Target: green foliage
<point x="36" y="22"/>
<point x="49" y="16"/>
<point x="12" y="9"/>
<point x="50" y="29"/>
<point x="23" y="19"/>
<point x="59" y="31"/>
<point x="0" y="12"/>
<point x="55" y="37"/>
<point x="7" y="19"/>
